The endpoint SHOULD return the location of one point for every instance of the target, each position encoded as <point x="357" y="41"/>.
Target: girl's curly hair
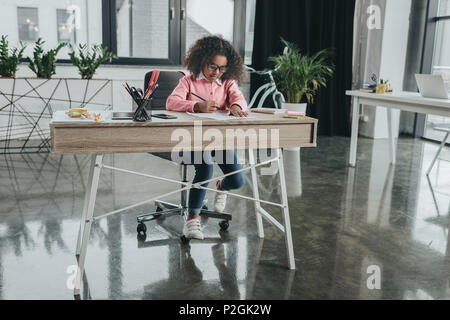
<point x="205" y="49"/>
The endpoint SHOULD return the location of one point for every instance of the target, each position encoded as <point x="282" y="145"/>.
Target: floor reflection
<point x="344" y="220"/>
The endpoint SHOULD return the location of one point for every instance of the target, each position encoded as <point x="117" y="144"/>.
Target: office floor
<point x="347" y="225"/>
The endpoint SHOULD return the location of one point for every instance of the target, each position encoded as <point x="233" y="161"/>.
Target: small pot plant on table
<point x="300" y="76"/>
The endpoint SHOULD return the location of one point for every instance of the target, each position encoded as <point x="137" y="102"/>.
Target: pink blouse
<point x="225" y="93"/>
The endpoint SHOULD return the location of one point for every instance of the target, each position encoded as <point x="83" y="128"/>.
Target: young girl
<point x="215" y="66"/>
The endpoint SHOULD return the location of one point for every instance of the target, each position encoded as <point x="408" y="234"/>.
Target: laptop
<point x="432" y="86"/>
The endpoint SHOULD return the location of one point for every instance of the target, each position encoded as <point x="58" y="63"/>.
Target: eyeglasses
<point x="212" y="67"/>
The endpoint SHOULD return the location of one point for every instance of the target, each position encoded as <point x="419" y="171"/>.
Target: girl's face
<point x="216" y="68"/>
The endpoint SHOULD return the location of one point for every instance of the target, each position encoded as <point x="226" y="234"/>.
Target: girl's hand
<point x="236" y="111"/>
<point x="206" y="107"/>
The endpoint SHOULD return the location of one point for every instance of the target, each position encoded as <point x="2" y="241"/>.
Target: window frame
<point x="18" y="24"/>
<point x="57" y="30"/>
<point x="177" y="33"/>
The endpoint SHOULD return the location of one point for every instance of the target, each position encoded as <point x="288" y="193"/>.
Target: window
<point x="28" y="24"/>
<point x="440" y="64"/>
<point x="209" y="17"/>
<point x="142" y="28"/>
<point x="159" y="32"/>
<point x="146" y="32"/>
<point x="55" y="21"/>
<point x="65" y="20"/>
<point x="249" y="30"/>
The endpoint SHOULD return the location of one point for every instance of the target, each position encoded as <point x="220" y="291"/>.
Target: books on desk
<point x="283" y="112"/>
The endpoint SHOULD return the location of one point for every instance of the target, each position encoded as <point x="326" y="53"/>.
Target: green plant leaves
<point x="43" y="64"/>
<point x="299" y="75"/>
<point x="9" y="59"/>
<point x="88" y="60"/>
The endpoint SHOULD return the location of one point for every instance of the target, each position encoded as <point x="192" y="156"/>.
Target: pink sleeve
<point x="235" y="96"/>
<point x="177" y="101"/>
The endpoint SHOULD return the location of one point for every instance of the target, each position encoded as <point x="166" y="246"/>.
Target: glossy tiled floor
<point x="349" y="226"/>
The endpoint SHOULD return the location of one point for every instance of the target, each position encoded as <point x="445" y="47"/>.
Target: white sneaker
<point x="193" y="230"/>
<point x="220" y="200"/>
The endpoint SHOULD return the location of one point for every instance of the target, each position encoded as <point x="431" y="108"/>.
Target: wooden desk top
<point x="184" y="119"/>
<point x="125" y="136"/>
<point x="402" y="97"/>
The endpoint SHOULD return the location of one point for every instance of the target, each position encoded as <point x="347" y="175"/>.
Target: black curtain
<point x="312" y="25"/>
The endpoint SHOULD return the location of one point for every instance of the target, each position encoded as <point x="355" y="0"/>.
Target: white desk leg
<point x="87" y="222"/>
<point x="286" y="218"/>
<point x="85" y="205"/>
<point x="392" y="146"/>
<point x="438" y="153"/>
<point x="259" y="221"/>
<point x="355" y="132"/>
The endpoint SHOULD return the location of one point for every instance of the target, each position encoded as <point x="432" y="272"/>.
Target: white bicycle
<point x="267" y="89"/>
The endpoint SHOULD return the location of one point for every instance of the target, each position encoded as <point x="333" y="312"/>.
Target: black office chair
<point x="167" y="81"/>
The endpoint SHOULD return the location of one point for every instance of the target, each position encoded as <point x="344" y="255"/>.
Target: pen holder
<point x="141" y="114"/>
<point x="381" y="88"/>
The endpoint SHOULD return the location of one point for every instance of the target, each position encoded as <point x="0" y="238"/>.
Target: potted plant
<point x="9" y="59"/>
<point x="300" y="76"/>
<point x="87" y="61"/>
<point x="43" y="63"/>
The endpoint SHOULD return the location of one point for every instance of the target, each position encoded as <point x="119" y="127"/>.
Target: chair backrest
<point x="167" y="80"/>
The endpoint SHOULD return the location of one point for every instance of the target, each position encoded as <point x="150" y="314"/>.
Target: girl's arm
<point x="177" y="101"/>
<point x="235" y="97"/>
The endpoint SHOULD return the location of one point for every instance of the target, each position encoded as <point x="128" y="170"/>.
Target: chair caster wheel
<point x="141" y="228"/>
<point x="224" y="225"/>
<point x="141" y="237"/>
<point x="184" y="240"/>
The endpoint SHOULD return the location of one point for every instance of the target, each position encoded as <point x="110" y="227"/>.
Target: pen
<point x="150" y="91"/>
<point x="131" y="92"/>
<point x="197" y="96"/>
<point x="150" y="88"/>
<point x="153" y="92"/>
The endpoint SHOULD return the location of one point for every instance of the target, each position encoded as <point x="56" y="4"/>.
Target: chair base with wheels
<point x="167" y="209"/>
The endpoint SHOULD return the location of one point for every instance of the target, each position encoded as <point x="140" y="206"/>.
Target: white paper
<point x="218" y="116"/>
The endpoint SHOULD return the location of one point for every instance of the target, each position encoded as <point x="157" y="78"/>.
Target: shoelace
<point x="194" y="225"/>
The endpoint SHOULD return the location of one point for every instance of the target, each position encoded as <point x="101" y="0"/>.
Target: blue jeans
<point x="204" y="171"/>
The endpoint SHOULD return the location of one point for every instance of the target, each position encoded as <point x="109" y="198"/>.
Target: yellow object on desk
<point x="381" y="88"/>
<point x="293" y="117"/>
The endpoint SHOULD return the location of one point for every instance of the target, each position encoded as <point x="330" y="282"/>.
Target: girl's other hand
<point x="206" y="107"/>
<point x="237" y="111"/>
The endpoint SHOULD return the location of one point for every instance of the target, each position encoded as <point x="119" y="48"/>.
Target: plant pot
<point x="297" y="107"/>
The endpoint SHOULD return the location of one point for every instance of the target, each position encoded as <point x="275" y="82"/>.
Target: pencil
<point x="198" y="96"/>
